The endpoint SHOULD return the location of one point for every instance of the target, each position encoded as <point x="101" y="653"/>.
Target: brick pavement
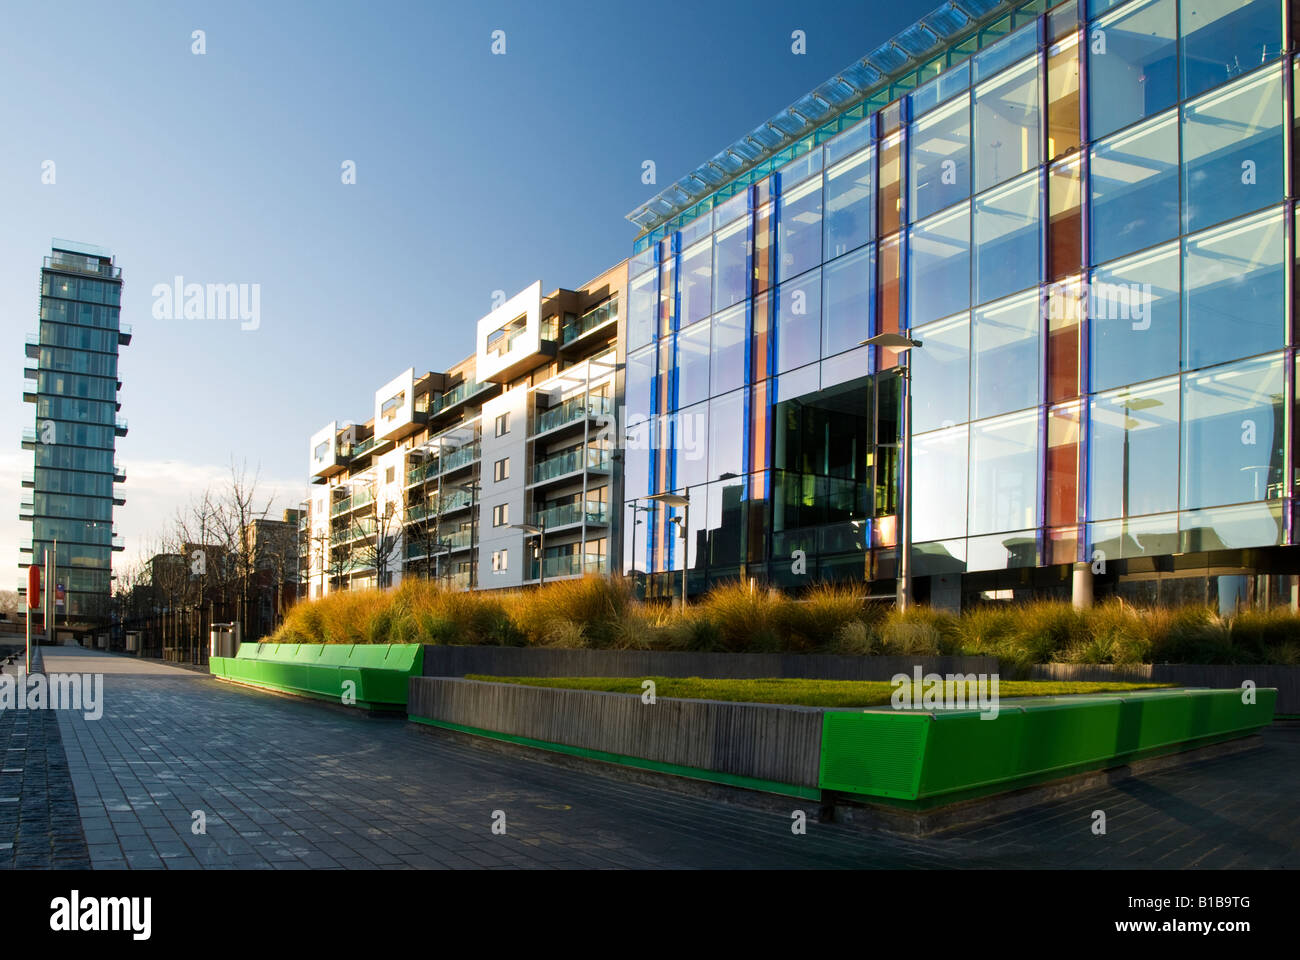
<point x="289" y="784"/>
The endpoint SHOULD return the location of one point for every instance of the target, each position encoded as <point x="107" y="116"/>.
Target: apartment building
<point x="1083" y="214"/>
<point x="73" y="383"/>
<point x="499" y="471"/>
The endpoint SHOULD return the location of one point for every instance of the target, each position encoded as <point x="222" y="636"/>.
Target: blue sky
<point x="474" y="173"/>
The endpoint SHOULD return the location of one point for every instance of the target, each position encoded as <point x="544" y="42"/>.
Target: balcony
<point x="119" y="543"/>
<point x="123" y="334"/>
<point x="458" y="394"/>
<point x="25" y="545"/>
<point x="572" y="513"/>
<point x="572" y="565"/>
<point x="29" y="438"/>
<point x="573" y="410"/>
<point x="360" y="499"/>
<point x="421" y="473"/>
<point x="574" y="330"/>
<point x="119" y="426"/>
<point x="573" y="461"/>
<point x="26" y="510"/>
<point x="29" y="478"/>
<point x="33" y="345"/>
<point x="459" y="458"/>
<point x="119" y="473"/>
<point x="76" y="263"/>
<point x="361" y="449"/>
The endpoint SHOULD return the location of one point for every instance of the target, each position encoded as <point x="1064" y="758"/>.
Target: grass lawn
<point x="808" y="693"/>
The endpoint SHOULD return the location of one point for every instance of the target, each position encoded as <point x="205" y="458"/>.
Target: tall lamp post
<point x="904" y="345"/>
<point x="684" y="521"/>
<point x="538" y="530"/>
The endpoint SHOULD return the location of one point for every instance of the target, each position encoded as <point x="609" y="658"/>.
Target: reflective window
<point x="1135" y="318"/>
<point x="1233" y="291"/>
<point x="940" y="154"/>
<point x="728" y="371"/>
<point x="1007" y="239"/>
<point x="691" y="442"/>
<point x="696" y="282"/>
<point x="1232" y="151"/>
<point x="846" y="301"/>
<point x="731" y="264"/>
<point x="639" y="380"/>
<point x="642" y="304"/>
<point x="939" y="484"/>
<point x="849" y="203"/>
<point x="800" y="243"/>
<point x="1004" y="473"/>
<point x="692" y="365"/>
<point x="941" y="374"/>
<point x="1132" y="65"/>
<point x="1004" y="344"/>
<point x="939" y="275"/>
<point x="1134" y="199"/>
<point x="1134" y="460"/>
<point x="1223" y="39"/>
<point x="1006" y="125"/>
<point x="1232" y="434"/>
<point x="726" y="434"/>
<point x="799" y="321"/>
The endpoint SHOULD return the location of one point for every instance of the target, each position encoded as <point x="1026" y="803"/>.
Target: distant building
<point x="73" y="381"/>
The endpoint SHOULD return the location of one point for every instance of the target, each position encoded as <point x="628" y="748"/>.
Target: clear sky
<point x="474" y="172"/>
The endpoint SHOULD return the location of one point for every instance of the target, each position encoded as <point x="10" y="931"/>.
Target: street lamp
<point x="904" y="345"/>
<point x="684" y="521"/>
<point x="538" y="530"/>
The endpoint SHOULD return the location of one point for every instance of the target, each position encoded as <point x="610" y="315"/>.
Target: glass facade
<point x="76" y="425"/>
<point x="1082" y="212"/>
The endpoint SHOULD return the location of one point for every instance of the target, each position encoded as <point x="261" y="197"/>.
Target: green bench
<point x="918" y="758"/>
<point x="379" y="673"/>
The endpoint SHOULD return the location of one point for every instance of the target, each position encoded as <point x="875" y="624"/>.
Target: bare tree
<point x="379" y="548"/>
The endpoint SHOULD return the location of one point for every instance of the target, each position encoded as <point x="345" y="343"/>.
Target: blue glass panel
<point x="847" y="301"/>
<point x="1223" y="39"/>
<point x="940" y="263"/>
<point x="1135" y="188"/>
<point x="799" y="321"/>
<point x="1133" y="467"/>
<point x="1007" y="239"/>
<point x="1132" y="64"/>
<point x="1135" y="320"/>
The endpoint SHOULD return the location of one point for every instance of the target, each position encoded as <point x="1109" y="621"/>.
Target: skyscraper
<point x="73" y="363"/>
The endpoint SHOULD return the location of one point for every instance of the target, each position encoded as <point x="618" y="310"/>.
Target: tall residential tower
<point x="73" y="381"/>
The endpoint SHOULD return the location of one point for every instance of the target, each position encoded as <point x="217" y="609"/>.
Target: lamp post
<point x="539" y="531"/>
<point x="684" y="501"/>
<point x="636" y="522"/>
<point x="904" y="345"/>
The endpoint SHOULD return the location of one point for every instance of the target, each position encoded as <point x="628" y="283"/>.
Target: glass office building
<point x="73" y="382"/>
<point x="1083" y="211"/>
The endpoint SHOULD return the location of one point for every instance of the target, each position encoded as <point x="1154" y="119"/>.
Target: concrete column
<point x="1081" y="587"/>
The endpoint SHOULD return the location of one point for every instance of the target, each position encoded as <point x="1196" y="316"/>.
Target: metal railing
<point x="572" y="565"/>
<point x="571" y="410"/>
<point x="570" y="462"/>
<point x="593" y="511"/>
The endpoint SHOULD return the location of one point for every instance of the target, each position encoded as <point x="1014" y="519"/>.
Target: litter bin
<point x="224" y="640"/>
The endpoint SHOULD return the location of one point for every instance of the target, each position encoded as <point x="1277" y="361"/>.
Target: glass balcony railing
<point x="29" y="434"/>
<point x="459" y="458"/>
<point x="592" y="512"/>
<point x="421" y="473"/>
<point x="570" y="462"/>
<point x="119" y="424"/>
<point x="74" y="263"/>
<point x="362" y="448"/>
<point x="463" y="391"/>
<point x="456" y="500"/>
<point x="571" y="410"/>
<point x="571" y="565"/>
<point x="575" y="328"/>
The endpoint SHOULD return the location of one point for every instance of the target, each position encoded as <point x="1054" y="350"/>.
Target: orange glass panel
<point x="891" y="184"/>
<point x="764" y="264"/>
<point x="761" y="340"/>
<point x="1063" y="97"/>
<point x="1064" y="305"/>
<point x="888" y="298"/>
<point x="1063" y="465"/>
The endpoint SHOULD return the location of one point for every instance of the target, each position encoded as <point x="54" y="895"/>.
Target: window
<point x="388" y="474"/>
<point x="1232" y="434"/>
<point x="800" y="245"/>
<point x="939" y="279"/>
<point x="696" y="282"/>
<point x="1005" y="364"/>
<point x="849" y="203"/>
<point x="1233" y="291"/>
<point x="941" y="375"/>
<point x="1134" y="462"/>
<point x="846" y="301"/>
<point x="1133" y="305"/>
<point x="726" y="435"/>
<point x="728" y="370"/>
<point x="501" y="515"/>
<point x="731" y="263"/>
<point x="322" y="451"/>
<point x="799" y="322"/>
<point x="940" y="154"/>
<point x="1232" y="150"/>
<point x="503" y="424"/>
<point x="939" y="483"/>
<point x="693" y="365"/>
<point x="1224" y="38"/>
<point x="1006" y="125"/>
<point x="1134" y="201"/>
<point x="643" y="298"/>
<point x="1132" y="65"/>
<point x="391" y="407"/>
<point x="691" y="444"/>
<point x="501" y="470"/>
<point x="500" y="561"/>
<point x="1004" y="473"/>
<point x="1007" y="240"/>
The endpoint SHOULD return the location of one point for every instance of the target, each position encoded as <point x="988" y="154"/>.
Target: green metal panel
<point x="380" y="672"/>
<point x="915" y="755"/>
